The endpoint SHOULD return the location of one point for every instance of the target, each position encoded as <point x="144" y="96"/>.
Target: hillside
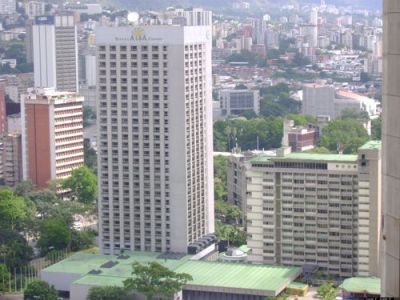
<point x="226" y="4"/>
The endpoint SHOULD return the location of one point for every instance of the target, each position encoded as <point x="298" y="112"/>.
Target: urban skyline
<point x="240" y="152"/>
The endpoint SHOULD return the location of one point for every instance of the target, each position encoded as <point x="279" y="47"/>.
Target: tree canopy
<point x="13" y="210"/>
<point x="5" y="277"/>
<point x="54" y="235"/>
<point x="14" y="249"/>
<point x="348" y="132"/>
<point x="83" y="185"/>
<point x="327" y="291"/>
<point x="246" y="56"/>
<point x="153" y="279"/>
<point x="39" y="289"/>
<point x="376" y="129"/>
<point x="220" y="177"/>
<point x="106" y="293"/>
<point x="266" y="132"/>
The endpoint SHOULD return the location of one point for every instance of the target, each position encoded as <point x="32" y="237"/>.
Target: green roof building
<point x="361" y="287"/>
<point x="211" y="280"/>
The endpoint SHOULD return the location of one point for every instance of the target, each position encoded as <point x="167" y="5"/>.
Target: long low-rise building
<point x="211" y="280"/>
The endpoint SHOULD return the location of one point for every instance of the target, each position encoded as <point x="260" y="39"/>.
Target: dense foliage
<point x="327" y="291"/>
<point x="83" y="185"/>
<point x="154" y="279"/>
<point x="5" y="277"/>
<point x="248" y="134"/>
<point x="251" y="58"/>
<point x="276" y="101"/>
<point x="376" y="129"/>
<point x="347" y="132"/>
<point x="220" y="177"/>
<point x="54" y="235"/>
<point x="39" y="289"/>
<point x="107" y="293"/>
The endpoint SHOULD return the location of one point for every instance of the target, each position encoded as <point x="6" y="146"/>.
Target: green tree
<point x="228" y="212"/>
<point x="347" y="132"/>
<point x="301" y="120"/>
<point x="39" y="289"/>
<point x="13" y="210"/>
<point x="24" y="188"/>
<point x="54" y="235"/>
<point x="153" y="279"/>
<point x="248" y="134"/>
<point x="233" y="235"/>
<point x="246" y="56"/>
<point x="89" y="116"/>
<point x="82" y="239"/>
<point x="83" y="185"/>
<point x="376" y="128"/>
<point x="107" y="293"/>
<point x="5" y="277"/>
<point x="327" y="291"/>
<point x="45" y="201"/>
<point x="90" y="156"/>
<point x="15" y="251"/>
<point x="220" y="177"/>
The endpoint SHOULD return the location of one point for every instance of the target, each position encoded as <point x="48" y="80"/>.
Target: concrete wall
<point x="60" y="281"/>
<point x="391" y="150"/>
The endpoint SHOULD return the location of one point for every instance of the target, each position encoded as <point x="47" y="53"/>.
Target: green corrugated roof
<point x="297" y="285"/>
<point x="304" y="156"/>
<point x="322" y="157"/>
<point x="370" y="285"/>
<point x="371" y="145"/>
<point x="215" y="274"/>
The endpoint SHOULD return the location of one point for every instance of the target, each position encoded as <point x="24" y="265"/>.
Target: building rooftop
<point x="307" y="156"/>
<point x="370" y="285"/>
<point x="268" y="280"/>
<point x="371" y="145"/>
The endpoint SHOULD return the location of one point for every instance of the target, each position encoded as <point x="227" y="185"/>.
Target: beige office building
<point x="154" y="118"/>
<point x="316" y="209"/>
<point x="391" y="150"/>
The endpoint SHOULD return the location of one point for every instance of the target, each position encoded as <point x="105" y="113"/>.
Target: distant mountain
<point x="370" y="4"/>
<point x="226" y="4"/>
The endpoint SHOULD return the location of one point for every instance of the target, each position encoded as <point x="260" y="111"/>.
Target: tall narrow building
<point x="52" y="135"/>
<point x="155" y="162"/>
<point x="391" y="150"/>
<point x="55" y="52"/>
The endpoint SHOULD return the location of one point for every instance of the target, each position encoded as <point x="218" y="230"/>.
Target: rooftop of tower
<point x="303" y="156"/>
<point x="309" y="156"/>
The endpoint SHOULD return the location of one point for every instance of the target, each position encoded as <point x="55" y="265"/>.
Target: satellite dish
<point x="133" y="17"/>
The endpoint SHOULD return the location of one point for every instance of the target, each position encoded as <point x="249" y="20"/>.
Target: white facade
<point x="55" y="53"/>
<point x="7" y="7"/>
<point x="154" y="137"/>
<point x="90" y="70"/>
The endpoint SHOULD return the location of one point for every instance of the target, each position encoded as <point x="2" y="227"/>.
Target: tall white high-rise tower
<point x="155" y="162"/>
<point x="55" y="52"/>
